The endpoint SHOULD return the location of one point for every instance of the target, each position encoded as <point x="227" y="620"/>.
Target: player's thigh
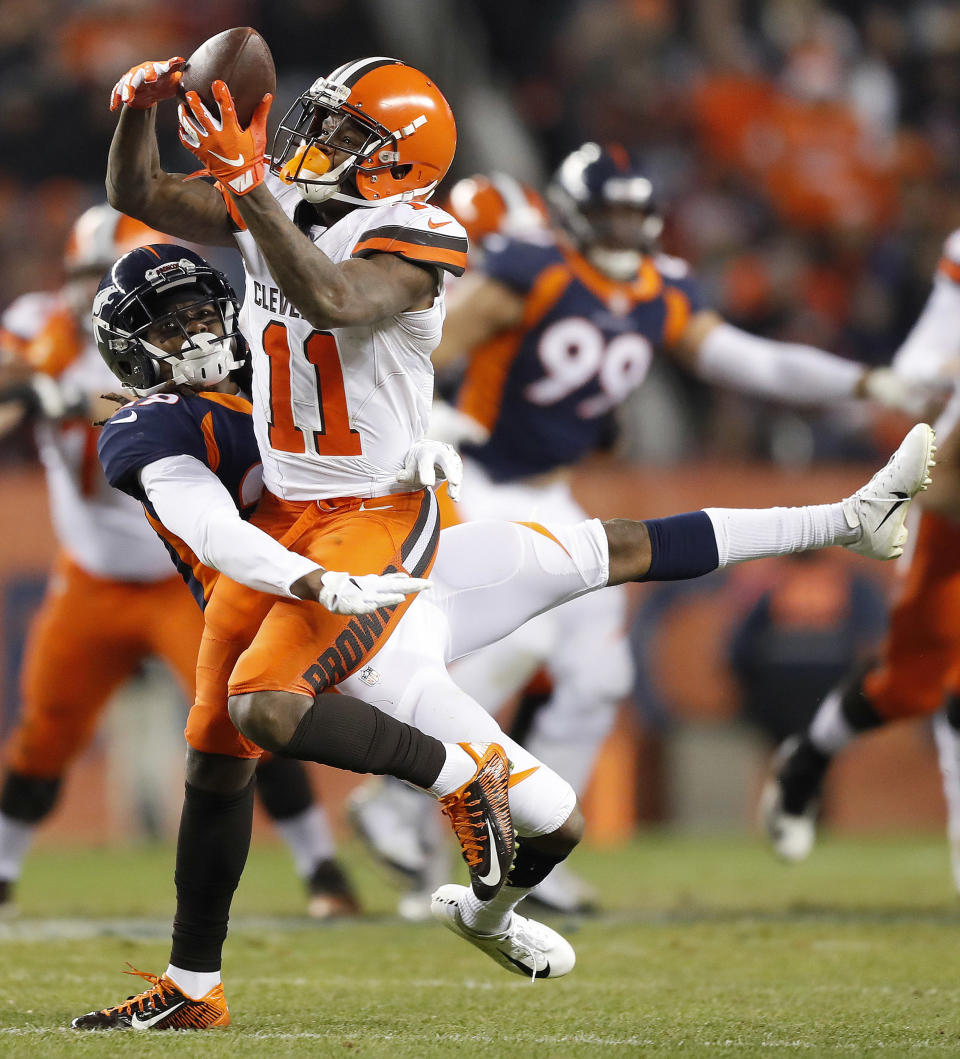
<point x="232" y="618"/>
<point x="305" y="649"/>
<point x="79" y="651"/>
<point x="174" y="626"/>
<point x="923" y="641"/>
<point x="492" y="577"/>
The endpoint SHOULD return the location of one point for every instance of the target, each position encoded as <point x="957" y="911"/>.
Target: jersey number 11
<point x="335" y="436"/>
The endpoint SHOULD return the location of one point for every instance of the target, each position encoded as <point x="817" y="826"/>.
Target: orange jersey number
<point x="335" y="437"/>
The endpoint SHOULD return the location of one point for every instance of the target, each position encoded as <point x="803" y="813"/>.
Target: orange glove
<point x="144" y="85"/>
<point x="235" y="156"/>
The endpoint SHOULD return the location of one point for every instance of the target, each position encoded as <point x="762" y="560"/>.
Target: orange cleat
<point x="161" y="1007"/>
<point x="479" y="812"/>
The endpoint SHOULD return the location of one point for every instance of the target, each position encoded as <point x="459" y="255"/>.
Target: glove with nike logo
<point x="344" y="594"/>
<point x="422" y="461"/>
<point x="235" y="156"/>
<point x="147" y="84"/>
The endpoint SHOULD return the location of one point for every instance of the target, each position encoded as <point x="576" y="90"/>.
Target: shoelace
<point x="158" y="989"/>
<point x="525" y="941"/>
<point x="466" y="818"/>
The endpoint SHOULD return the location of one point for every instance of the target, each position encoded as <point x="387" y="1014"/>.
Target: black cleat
<point x="161" y="1007"/>
<point x="479" y="812"/>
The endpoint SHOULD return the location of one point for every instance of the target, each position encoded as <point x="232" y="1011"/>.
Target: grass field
<point x="708" y="947"/>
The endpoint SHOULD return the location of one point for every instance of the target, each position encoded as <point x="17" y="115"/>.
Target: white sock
<point x="457" y="769"/>
<point x="490" y="917"/>
<point x="15" y="839"/>
<point x="309" y="837"/>
<point x="747" y="533"/>
<point x="196" y="984"/>
<point x="829" y="730"/>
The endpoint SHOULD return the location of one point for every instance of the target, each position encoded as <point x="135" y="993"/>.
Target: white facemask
<point x="207" y="359"/>
<point x="620" y="265"/>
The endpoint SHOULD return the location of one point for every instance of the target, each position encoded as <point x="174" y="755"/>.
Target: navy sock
<point x="681" y="547"/>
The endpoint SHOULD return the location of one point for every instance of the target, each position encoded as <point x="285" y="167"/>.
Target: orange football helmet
<point x="496" y="204"/>
<point x="100" y="235"/>
<point x="391" y="121"/>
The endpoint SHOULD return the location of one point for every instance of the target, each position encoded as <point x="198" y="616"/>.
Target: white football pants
<point x="583" y="645"/>
<point x="489" y="578"/>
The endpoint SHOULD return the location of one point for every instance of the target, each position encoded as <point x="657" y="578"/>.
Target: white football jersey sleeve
<point x="933" y="345"/>
<point x="335" y="411"/>
<point x="102" y="529"/>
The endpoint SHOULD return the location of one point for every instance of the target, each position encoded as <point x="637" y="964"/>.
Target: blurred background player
<point x="918" y="671"/>
<point x="558" y="327"/>
<point x="112" y="601"/>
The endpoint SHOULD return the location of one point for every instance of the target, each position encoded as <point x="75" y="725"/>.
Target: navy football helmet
<point x="161" y="289"/>
<point x="607" y="207"/>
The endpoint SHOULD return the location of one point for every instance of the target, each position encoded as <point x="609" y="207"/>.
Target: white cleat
<point x="791" y="835"/>
<point x="880" y="507"/>
<point x="526" y="947"/>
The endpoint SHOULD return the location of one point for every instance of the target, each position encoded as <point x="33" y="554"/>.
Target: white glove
<point x="422" y="460"/>
<point x="453" y="426"/>
<point x="902" y="393"/>
<point x="343" y="594"/>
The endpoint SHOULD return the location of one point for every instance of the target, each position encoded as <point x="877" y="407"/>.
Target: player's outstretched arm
<point x="349" y="294"/>
<point x="327" y="294"/>
<point x="480" y="308"/>
<point x="194" y="504"/>
<point x="138" y="186"/>
<point x="788" y="371"/>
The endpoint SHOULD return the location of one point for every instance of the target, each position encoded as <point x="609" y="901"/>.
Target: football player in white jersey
<point x="111" y="601"/>
<point x="345" y="260"/>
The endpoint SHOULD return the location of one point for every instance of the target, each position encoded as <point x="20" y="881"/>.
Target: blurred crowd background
<point x="806" y="157"/>
<point x="805" y="152"/>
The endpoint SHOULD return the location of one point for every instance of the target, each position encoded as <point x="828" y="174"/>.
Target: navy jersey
<point x="546" y="388"/>
<point x="214" y="428"/>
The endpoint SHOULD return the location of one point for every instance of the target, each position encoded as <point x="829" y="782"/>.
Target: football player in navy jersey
<point x="557" y="328"/>
<point x="187" y="450"/>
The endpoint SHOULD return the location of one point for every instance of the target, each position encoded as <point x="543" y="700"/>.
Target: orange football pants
<point x="922" y="648"/>
<point x="87" y="639"/>
<point x="255" y="642"/>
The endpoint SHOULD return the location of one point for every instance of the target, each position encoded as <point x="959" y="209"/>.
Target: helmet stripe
<point x="348" y="74"/>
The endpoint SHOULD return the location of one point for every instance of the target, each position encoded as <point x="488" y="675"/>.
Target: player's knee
<point x="218" y="772"/>
<point x="28" y="798"/>
<point x="568" y="835"/>
<point x="268" y="718"/>
<point x="543" y="804"/>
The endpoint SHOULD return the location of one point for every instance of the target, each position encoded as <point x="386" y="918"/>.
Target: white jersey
<point x="103" y="530"/>
<point x="934" y="340"/>
<point x="335" y="411"/>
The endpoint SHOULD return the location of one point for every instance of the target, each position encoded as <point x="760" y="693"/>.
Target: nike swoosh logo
<point x="519" y="777"/>
<point x="230" y="161"/>
<point x="493" y="874"/>
<point x="544" y="972"/>
<point x="138" y="1023"/>
<point x="430" y="224"/>
<point x="130" y="417"/>
<point x="379" y="507"/>
<point x="903" y="499"/>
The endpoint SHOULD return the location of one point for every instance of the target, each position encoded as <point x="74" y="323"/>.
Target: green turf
<point x="709" y="947"/>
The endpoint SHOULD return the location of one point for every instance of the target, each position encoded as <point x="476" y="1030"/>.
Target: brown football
<point x="241" y="58"/>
